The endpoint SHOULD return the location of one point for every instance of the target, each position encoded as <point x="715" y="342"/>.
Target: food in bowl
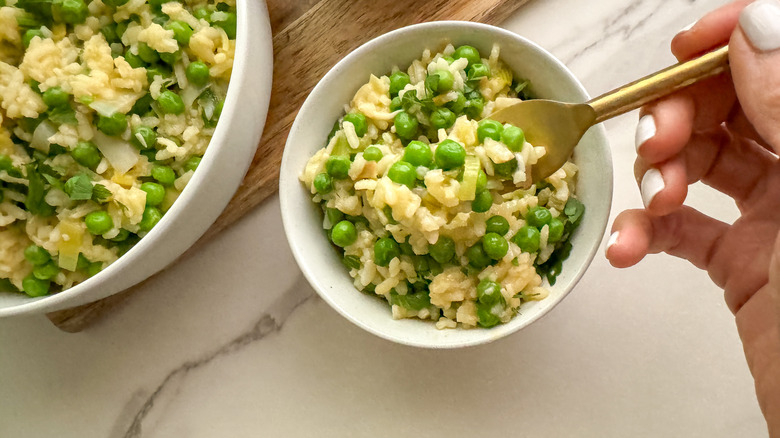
<point x="107" y="109"/>
<point x="430" y="202"/>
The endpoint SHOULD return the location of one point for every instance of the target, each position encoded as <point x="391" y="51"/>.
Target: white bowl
<point x="223" y="167"/>
<point x="303" y="219"/>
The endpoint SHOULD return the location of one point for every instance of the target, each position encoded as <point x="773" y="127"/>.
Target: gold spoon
<point x="559" y="126"/>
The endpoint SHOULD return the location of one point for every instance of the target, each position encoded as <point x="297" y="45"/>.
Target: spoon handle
<point x="659" y="84"/>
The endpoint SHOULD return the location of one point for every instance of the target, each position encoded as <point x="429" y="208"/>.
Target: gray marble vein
<point x="270" y="322"/>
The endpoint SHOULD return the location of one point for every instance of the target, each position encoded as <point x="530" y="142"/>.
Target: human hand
<point x="724" y="132"/>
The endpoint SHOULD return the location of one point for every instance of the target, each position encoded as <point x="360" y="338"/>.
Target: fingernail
<point x="645" y="130"/>
<point x="761" y="23"/>
<point x="611" y="241"/>
<point x="688" y="27"/>
<point x="652" y="183"/>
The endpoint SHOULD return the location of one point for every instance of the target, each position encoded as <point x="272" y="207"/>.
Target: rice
<point x="390" y="218"/>
<point x="97" y="78"/>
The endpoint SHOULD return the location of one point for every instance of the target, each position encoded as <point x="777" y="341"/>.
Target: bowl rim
<point x="289" y="182"/>
<point x="217" y="144"/>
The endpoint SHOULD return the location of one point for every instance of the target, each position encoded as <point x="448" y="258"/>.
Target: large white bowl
<point x="211" y="187"/>
<point x="303" y="219"/>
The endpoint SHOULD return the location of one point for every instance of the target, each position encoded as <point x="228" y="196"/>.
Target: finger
<point x="685" y="233"/>
<point x="730" y="165"/>
<point x="754" y="55"/>
<point x="665" y="128"/>
<point x="711" y="31"/>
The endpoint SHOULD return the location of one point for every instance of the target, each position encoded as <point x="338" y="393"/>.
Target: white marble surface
<point x="233" y="342"/>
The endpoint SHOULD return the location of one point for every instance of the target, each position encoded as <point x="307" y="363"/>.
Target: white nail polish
<point x="761" y="23"/>
<point x="688" y="27"/>
<point x="612" y="240"/>
<point x="652" y="183"/>
<point x="645" y="130"/>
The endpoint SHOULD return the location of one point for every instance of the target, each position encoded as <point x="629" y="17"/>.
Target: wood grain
<point x="309" y="37"/>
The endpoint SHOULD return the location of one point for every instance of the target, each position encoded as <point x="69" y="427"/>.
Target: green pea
<point x="528" y="239"/>
<point x="151" y="216"/>
<point x="170" y="58"/>
<point x="133" y="59"/>
<point x="228" y="25"/>
<point x="474" y="107"/>
<point x="556" y="230"/>
<point x="385" y="250"/>
<point x="489" y="128"/>
<point x="121" y="27"/>
<point x="181" y="32"/>
<point x="470" y="53"/>
<point x="202" y="13"/>
<point x="86" y="154"/>
<point x="198" y="73"/>
<point x="72" y="11"/>
<point x="359" y="122"/>
<point x="5" y="162"/>
<point x="46" y="272"/>
<point x="449" y="59"/>
<point x="486" y="317"/>
<point x="482" y="201"/>
<point x="442" y="118"/>
<point x="505" y="169"/>
<point x="121" y="236"/>
<point x="481" y="181"/>
<point x="30" y="34"/>
<point x="450" y="155"/>
<point x="405" y="125"/>
<point x="489" y="292"/>
<point x="420" y="264"/>
<point x="143" y="137"/>
<point x="113" y="125"/>
<point x="443" y="250"/>
<point x="497" y="224"/>
<point x="418" y="153"/>
<point x="35" y="287"/>
<point x="478" y="70"/>
<point x="402" y="172"/>
<point x="457" y="105"/>
<point x="334" y="215"/>
<point x="372" y="153"/>
<point x="477" y="256"/>
<point x="395" y="104"/>
<point x="398" y="80"/>
<point x="445" y="82"/>
<point x="99" y="222"/>
<point x="514" y="138"/>
<point x="338" y="166"/>
<point x="109" y="33"/>
<point x="163" y="174"/>
<point x="36" y="255"/>
<point x="388" y="212"/>
<point x="538" y="217"/>
<point x="55" y="97"/>
<point x="192" y="163"/>
<point x="147" y="54"/>
<point x="343" y="234"/>
<point x="495" y="245"/>
<point x="155" y="193"/>
<point x="323" y="183"/>
<point x="170" y="102"/>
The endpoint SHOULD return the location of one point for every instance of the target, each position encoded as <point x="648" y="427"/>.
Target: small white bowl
<point x="302" y="218"/>
<point x="223" y="167"/>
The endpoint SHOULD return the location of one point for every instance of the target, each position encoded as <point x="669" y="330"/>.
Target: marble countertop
<point x="233" y="342"/>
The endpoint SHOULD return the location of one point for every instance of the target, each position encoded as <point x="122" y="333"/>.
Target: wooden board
<point x="309" y="37"/>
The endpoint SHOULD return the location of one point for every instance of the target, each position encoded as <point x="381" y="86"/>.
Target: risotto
<point x="429" y="201"/>
<point x="106" y="108"/>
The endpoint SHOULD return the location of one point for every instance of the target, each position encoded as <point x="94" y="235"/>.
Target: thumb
<point x="754" y="54"/>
